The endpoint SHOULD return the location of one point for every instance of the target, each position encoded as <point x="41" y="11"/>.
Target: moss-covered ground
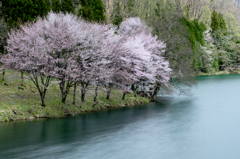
<point x="18" y="104"/>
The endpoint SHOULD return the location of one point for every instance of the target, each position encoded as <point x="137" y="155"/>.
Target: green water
<point x="203" y="126"/>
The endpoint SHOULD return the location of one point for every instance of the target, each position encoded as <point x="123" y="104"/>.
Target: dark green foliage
<point x="219" y="26"/>
<point x="92" y="10"/>
<point x="20" y="11"/>
<point x="16" y="12"/>
<point x="215" y="25"/>
<point x="67" y="6"/>
<point x="84" y="2"/>
<point x="41" y="8"/>
<point x="86" y="11"/>
<point x="98" y="9"/>
<point x="48" y="4"/>
<point x="215" y="65"/>
<point x="21" y="88"/>
<point x="195" y="30"/>
<point x="222" y="23"/>
<point x="3" y="35"/>
<point x="225" y="47"/>
<point x="117" y="18"/>
<point x="56" y="6"/>
<point x="6" y="84"/>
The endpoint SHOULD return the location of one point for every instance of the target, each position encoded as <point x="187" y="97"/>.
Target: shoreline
<point x="25" y="104"/>
<point x="70" y="113"/>
<point x="19" y="107"/>
<point x="218" y="73"/>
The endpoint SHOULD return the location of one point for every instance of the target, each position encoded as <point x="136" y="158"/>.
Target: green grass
<point x="214" y="73"/>
<point x="27" y="104"/>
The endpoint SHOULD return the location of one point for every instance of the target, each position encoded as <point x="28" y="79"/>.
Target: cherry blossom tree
<point x="61" y="39"/>
<point x="44" y="50"/>
<point x="26" y="52"/>
<point x="151" y="69"/>
<point x="73" y="51"/>
<point x="90" y="55"/>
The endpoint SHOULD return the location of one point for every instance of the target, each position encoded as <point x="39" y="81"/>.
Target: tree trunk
<point x="42" y="95"/>
<point x="133" y="87"/>
<point x="108" y="91"/>
<point x="3" y="73"/>
<point x="74" y="94"/>
<point x="124" y="94"/>
<point x="22" y="78"/>
<point x="64" y="97"/>
<point x="64" y="90"/>
<point x="96" y="93"/>
<point x="83" y="97"/>
<point x="43" y="101"/>
<point x="153" y="96"/>
<point x="135" y="91"/>
<point x="108" y="94"/>
<point x="83" y="91"/>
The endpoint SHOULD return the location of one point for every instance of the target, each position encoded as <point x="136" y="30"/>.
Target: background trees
<point x="20" y="11"/>
<point x="3" y="35"/>
<point x="167" y="25"/>
<point x="67" y="6"/>
<point x="92" y="10"/>
<point x="56" y="6"/>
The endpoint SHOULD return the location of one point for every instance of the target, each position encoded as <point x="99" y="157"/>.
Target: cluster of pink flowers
<point x="67" y="48"/>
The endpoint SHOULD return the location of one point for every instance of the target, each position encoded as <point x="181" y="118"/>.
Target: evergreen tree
<point x="41" y="8"/>
<point x="16" y="12"/>
<point x="86" y="11"/>
<point x="48" y="4"/>
<point x="67" y="6"/>
<point x="195" y="30"/>
<point x="117" y="18"/>
<point x="84" y="2"/>
<point x="98" y="9"/>
<point x="215" y="25"/>
<point x="56" y="6"/>
<point x="92" y="10"/>
<point x="3" y="36"/>
<point x="223" y="25"/>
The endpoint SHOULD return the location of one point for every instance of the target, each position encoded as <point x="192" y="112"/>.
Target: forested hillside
<point x="211" y="49"/>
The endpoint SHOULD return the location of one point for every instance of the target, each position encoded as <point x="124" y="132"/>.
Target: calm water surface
<point x="203" y="126"/>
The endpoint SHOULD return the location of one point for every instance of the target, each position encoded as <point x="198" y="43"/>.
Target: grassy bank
<point x="216" y="73"/>
<point x="18" y="104"/>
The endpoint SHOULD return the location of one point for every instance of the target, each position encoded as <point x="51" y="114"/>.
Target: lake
<point x="205" y="125"/>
